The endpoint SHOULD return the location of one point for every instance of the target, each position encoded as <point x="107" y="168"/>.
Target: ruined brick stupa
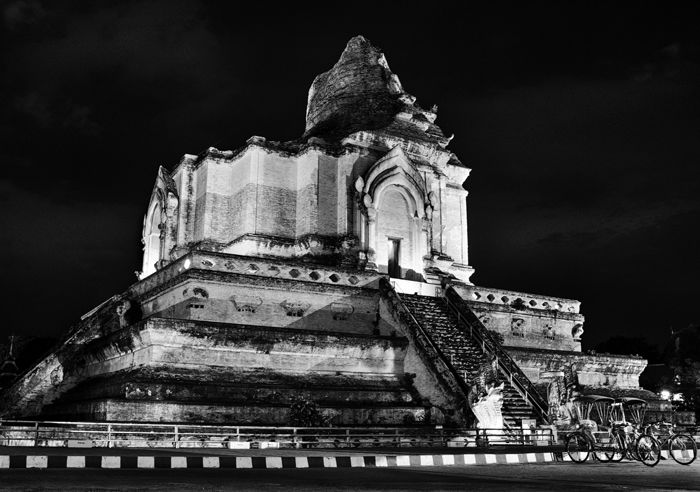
<point x="334" y="268"/>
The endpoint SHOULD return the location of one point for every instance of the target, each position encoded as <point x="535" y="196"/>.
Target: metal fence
<point x="122" y="435"/>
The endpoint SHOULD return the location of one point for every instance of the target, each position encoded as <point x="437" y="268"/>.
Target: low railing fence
<point x="122" y="435"/>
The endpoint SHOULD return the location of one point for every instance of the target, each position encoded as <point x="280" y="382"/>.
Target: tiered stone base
<point x="165" y="370"/>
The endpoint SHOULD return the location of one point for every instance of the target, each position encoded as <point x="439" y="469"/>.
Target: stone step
<point x="465" y="355"/>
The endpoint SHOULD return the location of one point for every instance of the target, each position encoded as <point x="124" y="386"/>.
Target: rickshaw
<point x="592" y="412"/>
<point x="627" y="421"/>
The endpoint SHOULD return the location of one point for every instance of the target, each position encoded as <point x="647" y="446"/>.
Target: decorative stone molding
<point x="295" y="309"/>
<point x="549" y="333"/>
<point x="262" y="267"/>
<point x="200" y="292"/>
<point x="519" y="300"/>
<point x="341" y="310"/>
<point x="516" y="327"/>
<point x="246" y="304"/>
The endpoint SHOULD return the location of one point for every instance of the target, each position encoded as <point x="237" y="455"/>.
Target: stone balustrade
<point x="518" y="300"/>
<point x="257" y="267"/>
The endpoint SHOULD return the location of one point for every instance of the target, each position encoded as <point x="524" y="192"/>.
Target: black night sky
<point x="581" y="124"/>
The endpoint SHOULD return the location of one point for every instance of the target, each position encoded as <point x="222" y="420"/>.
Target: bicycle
<point x="634" y="444"/>
<point x="681" y="447"/>
<point x="580" y="444"/>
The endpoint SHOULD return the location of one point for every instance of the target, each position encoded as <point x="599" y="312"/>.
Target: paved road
<point x="512" y="478"/>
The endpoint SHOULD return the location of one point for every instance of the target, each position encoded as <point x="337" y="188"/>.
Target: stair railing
<point x="468" y="321"/>
<point x="445" y="371"/>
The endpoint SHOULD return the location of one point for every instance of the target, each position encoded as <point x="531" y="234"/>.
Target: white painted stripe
<point x="75" y="461"/>
<point x="357" y="461"/>
<point x="301" y="462"/>
<point x="665" y="454"/>
<point x="36" y="461"/>
<point x="490" y="459"/>
<point x="513" y="458"/>
<point x="426" y="460"/>
<point x="111" y="462"/>
<point x="548" y="456"/>
<point x="532" y="457"/>
<point x="329" y="462"/>
<point x="145" y="462"/>
<point x="403" y="460"/>
<point x="210" y="462"/>
<point x="4" y="461"/>
<point x="244" y="462"/>
<point x="381" y="461"/>
<point x="273" y="462"/>
<point x="178" y="462"/>
<point x="469" y="459"/>
<point x="448" y="459"/>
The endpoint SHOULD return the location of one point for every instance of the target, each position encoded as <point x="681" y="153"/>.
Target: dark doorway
<point x="394" y="254"/>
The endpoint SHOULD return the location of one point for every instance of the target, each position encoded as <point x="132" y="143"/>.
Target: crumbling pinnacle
<point x="359" y="93"/>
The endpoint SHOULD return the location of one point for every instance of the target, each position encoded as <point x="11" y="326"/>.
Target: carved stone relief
<point x="517" y="328"/>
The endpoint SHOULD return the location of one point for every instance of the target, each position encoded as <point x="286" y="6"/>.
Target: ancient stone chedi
<point x="332" y="268"/>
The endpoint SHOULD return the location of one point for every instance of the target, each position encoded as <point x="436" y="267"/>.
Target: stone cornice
<point x="501" y="308"/>
<point x="586" y="357"/>
<point x="226" y="267"/>
<point x="284" y="149"/>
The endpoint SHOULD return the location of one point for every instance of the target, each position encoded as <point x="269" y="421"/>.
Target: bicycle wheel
<point x="683" y="449"/>
<point x="578" y="447"/>
<point x="611" y="451"/>
<point x="648" y="450"/>
<point x="620" y="447"/>
<point x="632" y="450"/>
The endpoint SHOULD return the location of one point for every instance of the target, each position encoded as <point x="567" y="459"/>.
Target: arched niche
<point x="393" y="220"/>
<point x="159" y="224"/>
<point x="152" y="239"/>
<point x="395" y="232"/>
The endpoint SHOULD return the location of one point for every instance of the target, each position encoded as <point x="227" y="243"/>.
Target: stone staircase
<point x="462" y="351"/>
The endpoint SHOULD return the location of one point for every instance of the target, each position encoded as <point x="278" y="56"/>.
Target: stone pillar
<point x="371" y="238"/>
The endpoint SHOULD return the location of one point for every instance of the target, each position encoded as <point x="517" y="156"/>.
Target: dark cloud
<point x="21" y="13"/>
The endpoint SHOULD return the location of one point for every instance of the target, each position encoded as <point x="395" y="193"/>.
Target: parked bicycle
<point x="626" y="420"/>
<point x="624" y="437"/>
<point x="587" y="439"/>
<point x="681" y="447"/>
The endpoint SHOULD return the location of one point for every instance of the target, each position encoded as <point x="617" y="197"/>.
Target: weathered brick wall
<point x="242" y="210"/>
<point x="185" y="181"/>
<point x="276" y="212"/>
<point x="529" y="328"/>
<point x="166" y="412"/>
<point x="527" y="320"/>
<point x="200" y="210"/>
<point x="455" y="233"/>
<point x="221" y="354"/>
<point x="331" y="197"/>
<point x="359" y="92"/>
<point x="604" y="370"/>
<point x="271" y="302"/>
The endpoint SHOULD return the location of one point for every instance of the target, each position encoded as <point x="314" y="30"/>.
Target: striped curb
<point x="170" y="462"/>
<point x="664" y="455"/>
